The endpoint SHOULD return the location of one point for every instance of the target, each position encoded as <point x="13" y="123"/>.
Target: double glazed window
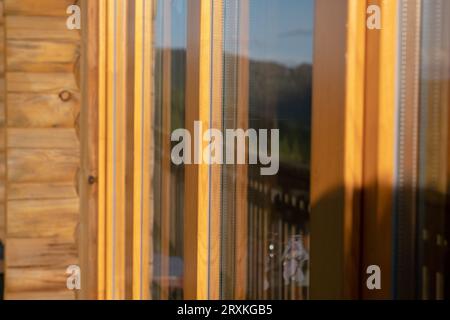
<point x="262" y="73"/>
<point x="422" y="210"/>
<point x="267" y="84"/>
<point x="260" y="149"/>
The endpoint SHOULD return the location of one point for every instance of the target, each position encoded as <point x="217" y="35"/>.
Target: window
<point x="260" y="149"/>
<point x="267" y="84"/>
<point x="422" y="230"/>
<point x="168" y="184"/>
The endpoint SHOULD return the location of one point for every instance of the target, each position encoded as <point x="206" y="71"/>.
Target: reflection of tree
<point x="280" y="97"/>
<point x="178" y="85"/>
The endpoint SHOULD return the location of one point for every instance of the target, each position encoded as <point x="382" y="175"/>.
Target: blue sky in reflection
<point x="280" y="30"/>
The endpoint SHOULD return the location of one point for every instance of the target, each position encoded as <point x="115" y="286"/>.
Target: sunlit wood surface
<point x="42" y="148"/>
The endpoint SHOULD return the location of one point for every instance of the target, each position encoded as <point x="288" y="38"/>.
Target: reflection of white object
<point x="295" y="257"/>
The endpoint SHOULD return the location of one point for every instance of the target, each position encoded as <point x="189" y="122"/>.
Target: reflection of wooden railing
<point x="278" y="213"/>
<point x="168" y="246"/>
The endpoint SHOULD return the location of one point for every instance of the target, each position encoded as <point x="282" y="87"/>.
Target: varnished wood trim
<point x="336" y="174"/>
<point x="197" y="191"/>
<point x="143" y="163"/>
<point x="379" y="144"/>
<point x="241" y="212"/>
<point x="89" y="237"/>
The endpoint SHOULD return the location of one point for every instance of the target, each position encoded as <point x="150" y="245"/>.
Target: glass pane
<point x="433" y="216"/>
<point x="267" y="88"/>
<point x="168" y="184"/>
<point x="422" y="209"/>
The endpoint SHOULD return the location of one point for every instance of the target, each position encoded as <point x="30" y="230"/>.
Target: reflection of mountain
<point x="280" y="97"/>
<point x="286" y="90"/>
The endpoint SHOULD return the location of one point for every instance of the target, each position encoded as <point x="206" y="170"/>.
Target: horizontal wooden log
<point x="42" y="165"/>
<point x="37" y="7"/>
<point x="41" y="191"/>
<point x="41" y="101"/>
<point x="42" y="139"/>
<point x="37" y="283"/>
<point x="28" y="82"/>
<point x="34" y="110"/>
<point x="42" y="218"/>
<point x="41" y="56"/>
<point x="41" y="252"/>
<point x="40" y="295"/>
<point x="40" y="28"/>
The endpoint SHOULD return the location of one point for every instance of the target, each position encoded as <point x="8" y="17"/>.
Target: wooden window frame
<point x="354" y="107"/>
<point x="115" y="187"/>
<point x="344" y="79"/>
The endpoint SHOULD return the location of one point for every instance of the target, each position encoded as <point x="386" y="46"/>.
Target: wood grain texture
<point x="40" y="56"/>
<point x="242" y="183"/>
<point x="2" y="130"/>
<point x="336" y="172"/>
<point x="44" y="219"/>
<point x="379" y="146"/>
<point x="53" y="8"/>
<point x="27" y="82"/>
<point x="40" y="28"/>
<point x="197" y="192"/>
<point x="41" y="102"/>
<point x="42" y="165"/>
<point x="43" y="139"/>
<point x="35" y="110"/>
<point x="44" y="191"/>
<point x="143" y="163"/>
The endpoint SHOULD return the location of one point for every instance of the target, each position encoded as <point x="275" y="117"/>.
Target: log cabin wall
<point x="2" y="148"/>
<point x="2" y="131"/>
<point x="42" y="148"/>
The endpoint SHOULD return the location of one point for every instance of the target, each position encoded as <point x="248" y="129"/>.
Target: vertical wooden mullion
<point x="336" y="173"/>
<point x="197" y="176"/>
<point x="379" y="144"/>
<point x="142" y="211"/>
<point x="131" y="150"/>
<point x="109" y="281"/>
<point x="109" y="92"/>
<point x="243" y="84"/>
<point x="91" y="201"/>
<point x="102" y="147"/>
<point x="116" y="149"/>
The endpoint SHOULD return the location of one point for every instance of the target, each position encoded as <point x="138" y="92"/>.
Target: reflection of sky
<point x="280" y="30"/>
<point x="178" y="23"/>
